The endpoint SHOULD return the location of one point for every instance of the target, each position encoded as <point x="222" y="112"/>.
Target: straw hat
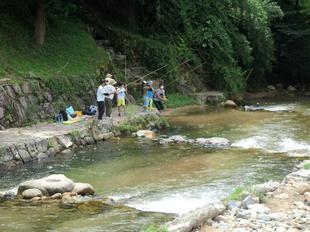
<point x="110" y="81"/>
<point x="109" y="75"/>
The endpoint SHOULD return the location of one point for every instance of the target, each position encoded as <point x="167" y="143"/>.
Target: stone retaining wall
<point x="32" y="101"/>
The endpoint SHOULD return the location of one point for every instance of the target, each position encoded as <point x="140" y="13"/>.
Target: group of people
<point x="151" y="95"/>
<point x="106" y="93"/>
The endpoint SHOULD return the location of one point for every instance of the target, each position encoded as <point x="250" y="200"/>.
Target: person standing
<point x="159" y="97"/>
<point x="109" y="92"/>
<point x="100" y="100"/>
<point x="121" y="96"/>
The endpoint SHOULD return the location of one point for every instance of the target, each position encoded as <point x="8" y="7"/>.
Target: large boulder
<point x="195" y="219"/>
<point x="83" y="189"/>
<point x="146" y="134"/>
<point x="31" y="193"/>
<point x="213" y="142"/>
<point x="56" y="183"/>
<point x="229" y="104"/>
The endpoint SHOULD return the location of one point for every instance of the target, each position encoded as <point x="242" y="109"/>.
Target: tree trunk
<point x="297" y="5"/>
<point x="39" y="30"/>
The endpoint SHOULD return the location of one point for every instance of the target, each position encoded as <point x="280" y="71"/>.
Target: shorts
<point x="121" y="102"/>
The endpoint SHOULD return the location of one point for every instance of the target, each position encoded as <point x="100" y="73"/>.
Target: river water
<point x="163" y="181"/>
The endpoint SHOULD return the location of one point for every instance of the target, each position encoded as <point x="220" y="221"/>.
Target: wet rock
<point x="249" y="200"/>
<point x="36" y="198"/>
<point x="83" y="189"/>
<point x="146" y="134"/>
<point x="231" y="205"/>
<point x="56" y="183"/>
<point x="195" y="219"/>
<point x="56" y="196"/>
<point x="229" y="104"/>
<point x="69" y="200"/>
<point x="31" y="193"/>
<point x="269" y="186"/>
<point x="175" y="139"/>
<point x="271" y="88"/>
<point x="213" y="142"/>
<point x="291" y="88"/>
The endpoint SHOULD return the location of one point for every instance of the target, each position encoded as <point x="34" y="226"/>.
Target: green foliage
<point x="154" y="228"/>
<point x="307" y="166"/>
<point x="236" y="193"/>
<point x="177" y="100"/>
<point x="68" y="49"/>
<point x="75" y="135"/>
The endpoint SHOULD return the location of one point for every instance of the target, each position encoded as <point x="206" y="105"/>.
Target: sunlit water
<point x="171" y="179"/>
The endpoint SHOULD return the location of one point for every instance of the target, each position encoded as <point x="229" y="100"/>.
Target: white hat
<point x="109" y="75"/>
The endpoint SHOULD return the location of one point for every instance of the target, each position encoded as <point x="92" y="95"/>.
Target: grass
<point x="236" y="193"/>
<point x="177" y="100"/>
<point x="68" y="49"/>
<point x="307" y="166"/>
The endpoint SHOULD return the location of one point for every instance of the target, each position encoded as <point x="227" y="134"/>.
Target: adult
<point x="100" y="100"/>
<point x="159" y="97"/>
<point x="109" y="92"/>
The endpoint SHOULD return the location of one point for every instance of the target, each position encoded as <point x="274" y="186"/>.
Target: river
<point x="163" y="181"/>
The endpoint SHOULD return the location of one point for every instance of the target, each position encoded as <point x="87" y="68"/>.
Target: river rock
<point x="307" y="197"/>
<point x="56" y="183"/>
<point x="146" y="134"/>
<point x="271" y="88"/>
<point x="56" y="196"/>
<point x="269" y="186"/>
<point x="195" y="218"/>
<point x="291" y="88"/>
<point x="213" y="142"/>
<point x="229" y="103"/>
<point x="231" y="205"/>
<point x="31" y="193"/>
<point x="249" y="200"/>
<point x="175" y="139"/>
<point x="83" y="189"/>
<point x="258" y="208"/>
<point x="69" y="200"/>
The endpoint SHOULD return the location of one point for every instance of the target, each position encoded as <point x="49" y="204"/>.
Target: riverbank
<point x="42" y="141"/>
<point x="281" y="206"/>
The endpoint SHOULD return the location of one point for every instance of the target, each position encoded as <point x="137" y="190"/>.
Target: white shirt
<point x="110" y="90"/>
<point x="100" y="93"/>
<point x="121" y="93"/>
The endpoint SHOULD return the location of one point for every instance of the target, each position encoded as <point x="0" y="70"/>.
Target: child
<point x="121" y="95"/>
<point x="150" y="95"/>
<point x="159" y="97"/>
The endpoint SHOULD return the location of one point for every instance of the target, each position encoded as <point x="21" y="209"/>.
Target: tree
<point x="40" y="23"/>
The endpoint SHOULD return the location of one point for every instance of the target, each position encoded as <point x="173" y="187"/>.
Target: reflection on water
<point x="165" y="178"/>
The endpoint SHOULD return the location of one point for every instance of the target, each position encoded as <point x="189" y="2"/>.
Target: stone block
<point x="26" y="88"/>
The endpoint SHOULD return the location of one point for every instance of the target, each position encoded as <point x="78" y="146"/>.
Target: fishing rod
<point x="187" y="72"/>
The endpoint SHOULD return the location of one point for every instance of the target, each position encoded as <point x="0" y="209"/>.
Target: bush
<point x="177" y="100"/>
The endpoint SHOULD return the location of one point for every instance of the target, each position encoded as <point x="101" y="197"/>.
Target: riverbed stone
<point x="258" y="208"/>
<point x="175" y="139"/>
<point x="213" y="142"/>
<point x="148" y="134"/>
<point x="269" y="186"/>
<point x="31" y="193"/>
<point x="56" y="196"/>
<point x="56" y="183"/>
<point x="83" y="189"/>
<point x="229" y="104"/>
<point x="196" y="218"/>
<point x="249" y="200"/>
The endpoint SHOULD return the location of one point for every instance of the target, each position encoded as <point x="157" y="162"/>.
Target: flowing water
<point x="162" y="181"/>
